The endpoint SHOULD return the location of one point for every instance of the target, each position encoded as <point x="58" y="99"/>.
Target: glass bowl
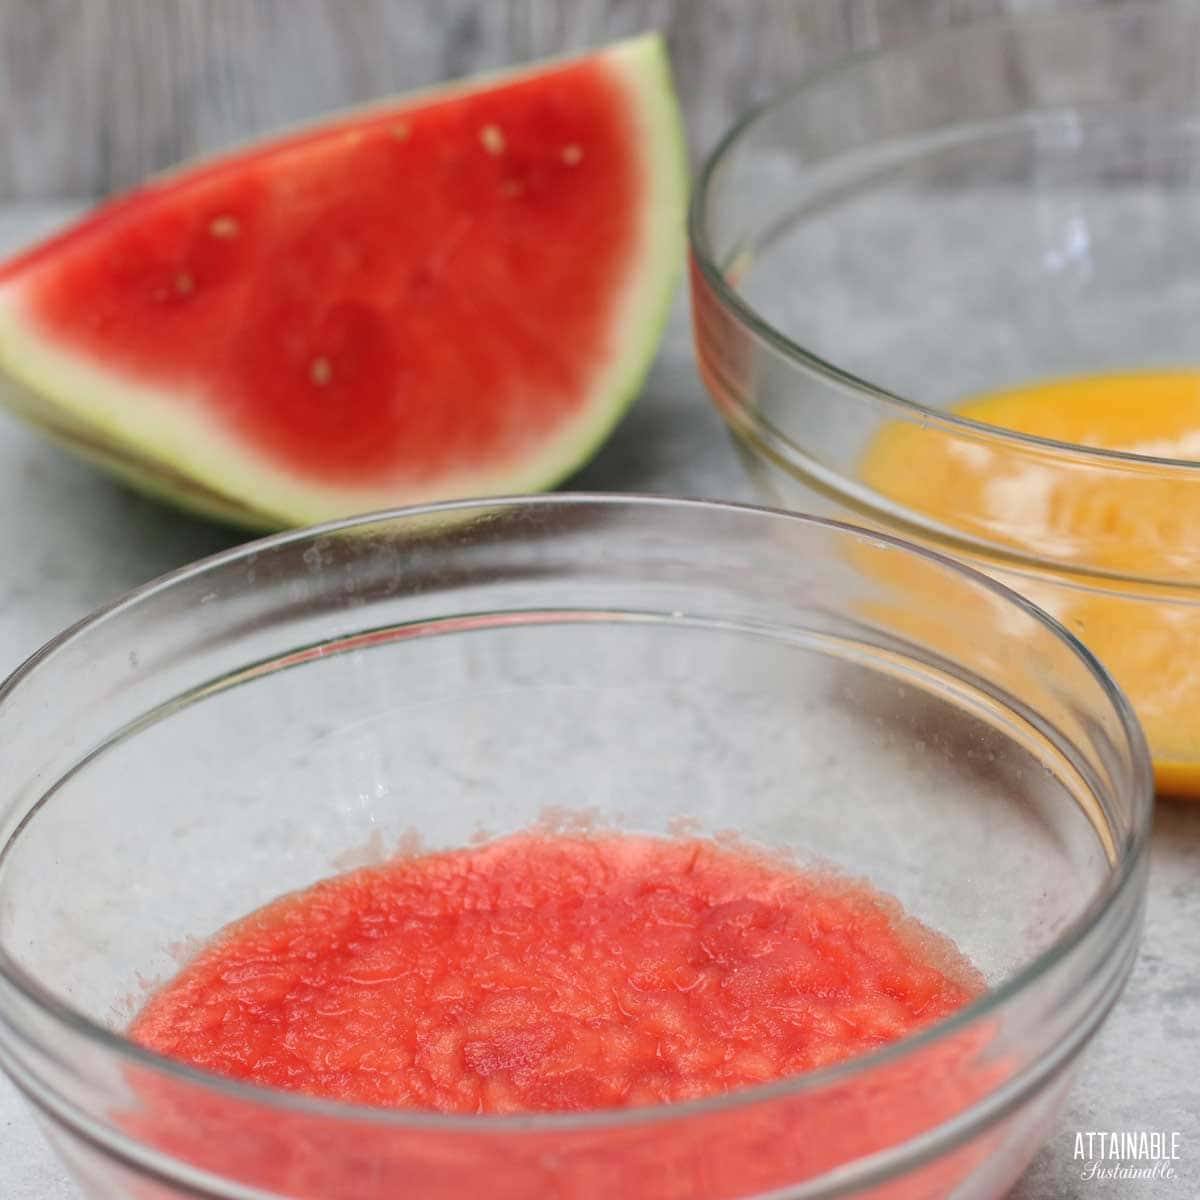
<point x="315" y="701"/>
<point x="995" y="204"/>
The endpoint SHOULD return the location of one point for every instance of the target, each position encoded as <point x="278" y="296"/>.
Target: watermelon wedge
<point x="454" y="293"/>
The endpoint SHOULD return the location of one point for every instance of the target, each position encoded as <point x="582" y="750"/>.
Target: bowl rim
<point x="705" y="259"/>
<point x="1122" y="875"/>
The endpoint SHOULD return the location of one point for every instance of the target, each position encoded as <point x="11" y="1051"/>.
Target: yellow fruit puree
<point x="1138" y="524"/>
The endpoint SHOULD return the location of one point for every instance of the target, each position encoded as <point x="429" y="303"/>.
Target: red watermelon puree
<point x="549" y="972"/>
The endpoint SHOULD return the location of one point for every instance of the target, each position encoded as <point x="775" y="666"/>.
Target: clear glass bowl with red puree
<point x="317" y="701"/>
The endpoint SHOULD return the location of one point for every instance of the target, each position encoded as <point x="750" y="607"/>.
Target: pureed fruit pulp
<point x="547" y="972"/>
<point x="1139" y="523"/>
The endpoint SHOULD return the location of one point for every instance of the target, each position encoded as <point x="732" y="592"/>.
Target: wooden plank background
<point x="96" y="94"/>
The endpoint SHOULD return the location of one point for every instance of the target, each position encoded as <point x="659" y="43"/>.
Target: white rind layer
<point x="166" y="444"/>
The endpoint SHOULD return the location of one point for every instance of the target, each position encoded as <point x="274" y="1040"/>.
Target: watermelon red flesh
<point x="429" y="299"/>
<point x="327" y="323"/>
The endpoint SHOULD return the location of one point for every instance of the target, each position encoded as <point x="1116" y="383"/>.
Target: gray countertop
<point x="76" y="540"/>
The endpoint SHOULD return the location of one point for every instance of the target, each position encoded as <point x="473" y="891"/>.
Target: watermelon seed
<point x="511" y="188"/>
<point x="223" y="227"/>
<point x="184" y="284"/>
<point x="572" y="155"/>
<point x="320" y="371"/>
<point x="400" y="131"/>
<point x="492" y="137"/>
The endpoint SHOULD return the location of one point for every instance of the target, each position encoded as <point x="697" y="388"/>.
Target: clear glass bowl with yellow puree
<point x="952" y="290"/>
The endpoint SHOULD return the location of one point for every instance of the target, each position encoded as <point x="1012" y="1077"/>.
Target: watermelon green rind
<point x="152" y="479"/>
<point x="649" y="71"/>
<point x="177" y="453"/>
